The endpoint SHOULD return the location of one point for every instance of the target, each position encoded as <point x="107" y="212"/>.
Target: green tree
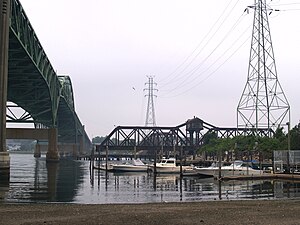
<point x="244" y="145"/>
<point x="97" y="140"/>
<point x="295" y="137"/>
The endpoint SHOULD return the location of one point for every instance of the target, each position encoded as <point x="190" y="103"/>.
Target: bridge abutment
<point x="4" y="166"/>
<point x="52" y="154"/>
<point x="4" y="39"/>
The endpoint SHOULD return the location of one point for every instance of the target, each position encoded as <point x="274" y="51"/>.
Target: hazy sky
<point x="197" y="51"/>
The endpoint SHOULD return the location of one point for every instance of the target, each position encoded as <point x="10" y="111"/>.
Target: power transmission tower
<point x="263" y="103"/>
<point x="150" y="115"/>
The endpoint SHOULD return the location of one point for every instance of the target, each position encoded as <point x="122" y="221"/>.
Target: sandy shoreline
<point x="283" y="212"/>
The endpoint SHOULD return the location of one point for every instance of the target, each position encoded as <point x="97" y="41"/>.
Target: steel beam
<point x="27" y="133"/>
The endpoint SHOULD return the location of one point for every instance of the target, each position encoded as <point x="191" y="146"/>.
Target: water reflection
<point x="52" y="170"/>
<point x="34" y="180"/>
<point x="175" y="188"/>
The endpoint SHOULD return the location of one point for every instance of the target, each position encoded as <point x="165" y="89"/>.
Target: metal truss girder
<point x="130" y="137"/>
<point x="144" y="137"/>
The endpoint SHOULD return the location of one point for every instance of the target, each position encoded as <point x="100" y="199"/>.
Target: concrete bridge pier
<point x="75" y="151"/>
<point x="4" y="166"/>
<point x="4" y="38"/>
<point x="52" y="154"/>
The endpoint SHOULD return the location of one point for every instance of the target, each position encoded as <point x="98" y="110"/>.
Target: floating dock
<point x="265" y="176"/>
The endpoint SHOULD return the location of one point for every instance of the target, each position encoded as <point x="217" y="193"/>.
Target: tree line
<point x="241" y="145"/>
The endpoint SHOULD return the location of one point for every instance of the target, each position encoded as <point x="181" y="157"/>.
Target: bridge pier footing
<point x="4" y="166"/>
<point x="52" y="154"/>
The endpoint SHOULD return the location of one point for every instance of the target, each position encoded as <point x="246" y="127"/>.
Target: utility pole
<point x="150" y="115"/>
<point x="263" y="103"/>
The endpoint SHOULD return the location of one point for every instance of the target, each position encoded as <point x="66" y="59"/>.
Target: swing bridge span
<point x="188" y="137"/>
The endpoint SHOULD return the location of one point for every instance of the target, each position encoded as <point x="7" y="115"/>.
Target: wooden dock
<point x="264" y="176"/>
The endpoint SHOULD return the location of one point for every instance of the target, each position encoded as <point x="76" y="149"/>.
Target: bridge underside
<point x="26" y="87"/>
<point x="34" y="85"/>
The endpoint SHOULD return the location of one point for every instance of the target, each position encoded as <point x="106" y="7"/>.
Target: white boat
<point x="208" y="171"/>
<point x="168" y="165"/>
<point x="103" y="167"/>
<point x="238" y="167"/>
<point x="136" y="165"/>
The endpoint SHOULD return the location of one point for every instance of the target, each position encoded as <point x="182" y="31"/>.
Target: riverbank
<point x="258" y="212"/>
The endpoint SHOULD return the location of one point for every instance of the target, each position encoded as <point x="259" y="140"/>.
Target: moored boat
<point x="103" y="167"/>
<point x="168" y="165"/>
<point x="207" y="171"/>
<point x="136" y="165"/>
<point x="237" y="168"/>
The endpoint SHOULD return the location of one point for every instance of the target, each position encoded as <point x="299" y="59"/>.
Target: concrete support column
<point x="75" y="151"/>
<point x="4" y="163"/>
<point x="4" y="39"/>
<point x="52" y="154"/>
<point x="37" y="150"/>
<point x="81" y="145"/>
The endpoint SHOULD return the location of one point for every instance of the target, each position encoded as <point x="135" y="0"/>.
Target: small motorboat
<point x="238" y="167"/>
<point x="136" y="165"/>
<point x="168" y="165"/>
<point x="103" y="167"/>
<point x="208" y="171"/>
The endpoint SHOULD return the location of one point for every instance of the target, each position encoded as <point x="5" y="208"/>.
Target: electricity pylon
<point x="263" y="103"/>
<point x="150" y="115"/>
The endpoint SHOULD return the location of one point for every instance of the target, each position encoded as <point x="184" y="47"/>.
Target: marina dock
<point x="264" y="176"/>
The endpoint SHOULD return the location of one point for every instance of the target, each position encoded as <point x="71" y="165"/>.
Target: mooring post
<point x="134" y="152"/>
<point x="37" y="150"/>
<point x="4" y="40"/>
<point x="155" y="160"/>
<point x="181" y="161"/>
<point x="106" y="158"/>
<point x="220" y="162"/>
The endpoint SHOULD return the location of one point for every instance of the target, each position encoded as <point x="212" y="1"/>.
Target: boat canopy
<point x="137" y="162"/>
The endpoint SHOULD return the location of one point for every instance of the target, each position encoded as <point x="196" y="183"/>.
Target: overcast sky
<point x="197" y="51"/>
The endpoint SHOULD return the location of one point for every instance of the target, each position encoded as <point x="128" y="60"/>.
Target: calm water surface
<point x="32" y="180"/>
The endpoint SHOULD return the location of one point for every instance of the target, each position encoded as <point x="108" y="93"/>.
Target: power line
<point x="206" y="44"/>
<point x="186" y="81"/>
<point x="211" y="73"/>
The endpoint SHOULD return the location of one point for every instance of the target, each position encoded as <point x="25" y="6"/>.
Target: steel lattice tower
<point x="150" y="115"/>
<point x="263" y="103"/>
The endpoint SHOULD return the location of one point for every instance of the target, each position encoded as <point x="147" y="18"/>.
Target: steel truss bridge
<point x="187" y="136"/>
<point x="34" y="86"/>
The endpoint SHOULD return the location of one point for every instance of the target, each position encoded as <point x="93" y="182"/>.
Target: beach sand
<point x="264" y="212"/>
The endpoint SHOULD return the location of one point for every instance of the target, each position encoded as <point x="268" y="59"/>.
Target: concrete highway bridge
<point x="28" y="79"/>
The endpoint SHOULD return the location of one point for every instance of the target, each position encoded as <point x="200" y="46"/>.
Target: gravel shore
<point x="264" y="212"/>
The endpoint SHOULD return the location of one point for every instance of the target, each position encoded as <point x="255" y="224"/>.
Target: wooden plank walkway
<point x="265" y="176"/>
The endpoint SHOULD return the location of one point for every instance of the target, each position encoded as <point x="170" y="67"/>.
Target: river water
<point x="34" y="180"/>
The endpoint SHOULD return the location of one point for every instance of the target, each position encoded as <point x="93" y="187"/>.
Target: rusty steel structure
<point x="187" y="136"/>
